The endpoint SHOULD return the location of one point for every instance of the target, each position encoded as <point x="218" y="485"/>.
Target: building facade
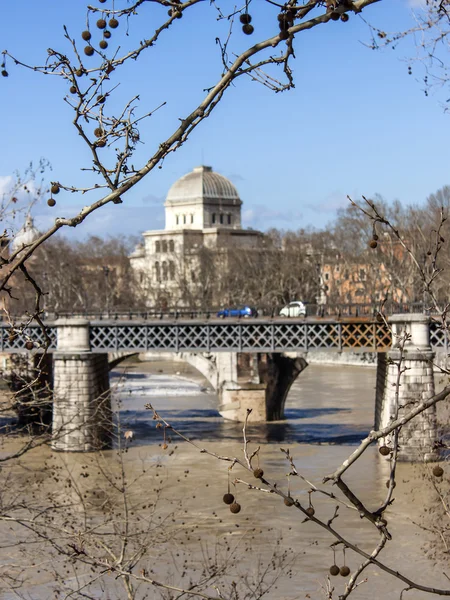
<point x="181" y="265"/>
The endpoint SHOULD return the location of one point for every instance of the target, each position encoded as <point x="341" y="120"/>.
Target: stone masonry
<point x="81" y="404"/>
<point x="417" y="438"/>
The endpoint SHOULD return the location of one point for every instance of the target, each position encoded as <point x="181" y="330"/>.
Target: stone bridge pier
<point x="257" y="381"/>
<point x="81" y="395"/>
<point x="417" y="438"/>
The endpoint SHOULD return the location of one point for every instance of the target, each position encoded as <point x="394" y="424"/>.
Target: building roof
<point x="204" y="185"/>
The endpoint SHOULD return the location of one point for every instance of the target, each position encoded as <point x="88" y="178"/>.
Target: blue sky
<point x="356" y="123"/>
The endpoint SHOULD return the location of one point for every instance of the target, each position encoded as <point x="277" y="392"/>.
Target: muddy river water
<point x="328" y="411"/>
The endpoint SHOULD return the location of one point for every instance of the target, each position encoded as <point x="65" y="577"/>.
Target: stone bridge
<point x="250" y="363"/>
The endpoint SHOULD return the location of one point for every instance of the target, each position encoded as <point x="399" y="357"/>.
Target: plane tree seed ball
<point x="384" y="450"/>
<point x="101" y="23"/>
<point x="107" y="34"/>
<point x="235" y="508"/>
<point x="113" y="23"/>
<point x="344" y="17"/>
<point x="334" y="570"/>
<point x="73" y="89"/>
<point x="55" y="188"/>
<point x="51" y="202"/>
<point x="89" y="50"/>
<point x="5" y="73"/>
<point x="310" y="511"/>
<point x="373" y="243"/>
<point x="98" y="132"/>
<point x="258" y="473"/>
<point x="438" y="471"/>
<point x="86" y="35"/>
<point x="245" y="19"/>
<point x="289" y="502"/>
<point x="344" y="571"/>
<point x="103" y="44"/>
<point x="101" y="144"/>
<point x="228" y="498"/>
<point x="248" y="29"/>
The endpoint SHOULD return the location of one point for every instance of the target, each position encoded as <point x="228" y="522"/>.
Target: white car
<point x="293" y="309"/>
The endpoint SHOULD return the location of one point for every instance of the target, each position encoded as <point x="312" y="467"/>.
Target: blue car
<point x="245" y="311"/>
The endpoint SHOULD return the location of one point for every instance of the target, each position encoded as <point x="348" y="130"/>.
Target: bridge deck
<point x="223" y="335"/>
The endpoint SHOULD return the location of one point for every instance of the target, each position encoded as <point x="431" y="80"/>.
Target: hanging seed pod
<point x="288" y="501"/>
<point x="438" y="471"/>
<point x="113" y="23"/>
<point x="101" y="144"/>
<point x="258" y="473"/>
<point x="101" y="98"/>
<point x="344" y="17"/>
<point x="103" y="44"/>
<point x="51" y="202"/>
<point x="344" y="571"/>
<point x="89" y="50"/>
<point x="228" y="498"/>
<point x="101" y="23"/>
<point x="334" y="570"/>
<point x="73" y="89"/>
<point x="245" y="19"/>
<point x="98" y="132"/>
<point x="55" y="189"/>
<point x="384" y="450"/>
<point x="248" y="29"/>
<point x="373" y="243"/>
<point x="86" y="35"/>
<point x="235" y="508"/>
<point x="310" y="511"/>
<point x="79" y="72"/>
<point x="107" y="34"/>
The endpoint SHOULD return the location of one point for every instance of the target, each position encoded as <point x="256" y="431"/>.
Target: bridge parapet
<point x="231" y="335"/>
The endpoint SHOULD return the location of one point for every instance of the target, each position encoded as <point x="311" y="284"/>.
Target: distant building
<point x="202" y="224"/>
<point x="25" y="236"/>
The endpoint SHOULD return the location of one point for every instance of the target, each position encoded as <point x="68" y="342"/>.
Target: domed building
<point x="25" y="236"/>
<point x="202" y="227"/>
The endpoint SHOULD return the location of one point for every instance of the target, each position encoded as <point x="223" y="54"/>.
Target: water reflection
<point x="313" y="414"/>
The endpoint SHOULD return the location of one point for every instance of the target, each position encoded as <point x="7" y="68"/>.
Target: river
<point x="329" y="409"/>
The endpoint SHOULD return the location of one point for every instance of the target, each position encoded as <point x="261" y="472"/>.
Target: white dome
<point x="27" y="235"/>
<point x="205" y="185"/>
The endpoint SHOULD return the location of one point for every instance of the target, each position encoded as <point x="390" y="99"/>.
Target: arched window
<point x="229" y="219"/>
<point x="164" y="245"/>
<point x="177" y="218"/>
<point x="157" y="272"/>
<point x="164" y="271"/>
<point x="157" y="246"/>
<point x="213" y="220"/>
<point x="184" y="219"/>
<point x="171" y="270"/>
<point x="221" y="219"/>
<point x="192" y="218"/>
<point x="171" y="246"/>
